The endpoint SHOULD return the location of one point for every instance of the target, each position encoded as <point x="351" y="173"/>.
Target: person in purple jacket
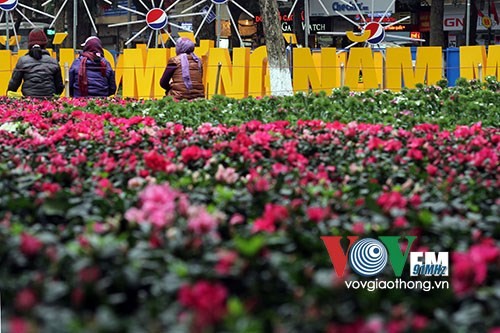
<point x="91" y="74"/>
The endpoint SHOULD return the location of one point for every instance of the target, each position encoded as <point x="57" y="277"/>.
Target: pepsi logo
<point x="219" y="2"/>
<point x="8" y="5"/>
<point x="377" y="32"/>
<point x="156" y="19"/>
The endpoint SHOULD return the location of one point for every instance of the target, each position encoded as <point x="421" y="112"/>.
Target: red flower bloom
<point x="317" y="214"/>
<point x="30" y="245"/>
<point x="390" y="200"/>
<point x="155" y="161"/>
<point x="226" y="261"/>
<point x="431" y="170"/>
<point x="207" y="300"/>
<point x="191" y="153"/>
<point x="18" y="325"/>
<point x="25" y="299"/>
<point x="89" y="274"/>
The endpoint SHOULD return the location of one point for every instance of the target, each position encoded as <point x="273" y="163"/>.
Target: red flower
<point x="226" y="261"/>
<point x="467" y="273"/>
<point x="431" y="170"/>
<point x="89" y="274"/>
<point x="391" y="200"/>
<point x="77" y="296"/>
<point x="400" y="222"/>
<point x="207" y="300"/>
<point x="264" y="224"/>
<point x="18" y="325"/>
<point x="317" y="214"/>
<point x="25" y="300"/>
<point x="155" y="161"/>
<point x="30" y="245"/>
<point x="191" y="153"/>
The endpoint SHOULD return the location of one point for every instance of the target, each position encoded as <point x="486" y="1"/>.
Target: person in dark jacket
<point x="183" y="77"/>
<point x="38" y="72"/>
<point x="91" y="74"/>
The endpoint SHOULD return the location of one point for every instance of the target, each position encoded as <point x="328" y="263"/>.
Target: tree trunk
<point x="281" y="81"/>
<point x="436" y="22"/>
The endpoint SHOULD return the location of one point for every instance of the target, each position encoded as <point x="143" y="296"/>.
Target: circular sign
<point x="156" y="19"/>
<point x="486" y="21"/>
<point x="377" y="32"/>
<point x="368" y="257"/>
<point x="8" y="5"/>
<point x="219" y="2"/>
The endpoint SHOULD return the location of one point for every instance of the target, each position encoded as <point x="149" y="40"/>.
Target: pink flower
<point x="200" y="221"/>
<point x="51" y="188"/>
<point x="25" y="299"/>
<point x="400" y="222"/>
<point x="30" y="245"/>
<point x="236" y="219"/>
<point x="18" y="325"/>
<point x="431" y="170"/>
<point x="226" y="175"/>
<point x="207" y="300"/>
<point x="317" y="214"/>
<point x="415" y="154"/>
<point x="415" y="201"/>
<point x="358" y="228"/>
<point x="158" y="206"/>
<point x="419" y="322"/>
<point x="467" y="273"/>
<point x="264" y="224"/>
<point x="226" y="261"/>
<point x="390" y="200"/>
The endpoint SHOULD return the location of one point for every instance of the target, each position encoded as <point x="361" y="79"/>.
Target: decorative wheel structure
<point x="62" y="8"/>
<point x="372" y="33"/>
<point x="305" y="4"/>
<point x="9" y="6"/>
<point x="155" y="19"/>
<point x="214" y="3"/>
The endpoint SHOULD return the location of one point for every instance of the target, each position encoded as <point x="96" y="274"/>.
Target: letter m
<point x="337" y="255"/>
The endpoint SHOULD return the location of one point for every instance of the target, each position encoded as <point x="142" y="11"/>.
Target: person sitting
<point x="39" y="73"/>
<point x="91" y="74"/>
<point x="183" y="77"/>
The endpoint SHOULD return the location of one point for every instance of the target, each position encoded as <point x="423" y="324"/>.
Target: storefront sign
<point x="365" y="6"/>
<point x="454" y="21"/>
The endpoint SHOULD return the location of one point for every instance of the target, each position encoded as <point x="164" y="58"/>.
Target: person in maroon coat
<point x="183" y="77"/>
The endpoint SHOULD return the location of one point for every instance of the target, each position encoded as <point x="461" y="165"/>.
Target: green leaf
<point x="249" y="246"/>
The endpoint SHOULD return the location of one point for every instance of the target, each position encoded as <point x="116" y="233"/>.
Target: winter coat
<point x="177" y="89"/>
<point x="98" y="85"/>
<point x="40" y="78"/>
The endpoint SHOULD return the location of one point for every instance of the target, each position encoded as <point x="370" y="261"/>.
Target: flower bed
<point x="137" y="224"/>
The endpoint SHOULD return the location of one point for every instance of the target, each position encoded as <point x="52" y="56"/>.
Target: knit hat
<point x="37" y="37"/>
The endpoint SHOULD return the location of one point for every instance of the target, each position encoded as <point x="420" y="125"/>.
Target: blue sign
<point x="211" y="16"/>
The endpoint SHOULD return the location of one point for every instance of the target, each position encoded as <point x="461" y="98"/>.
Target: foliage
<point x="142" y="224"/>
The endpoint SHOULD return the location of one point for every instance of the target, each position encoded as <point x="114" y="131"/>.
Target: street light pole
<point x="75" y="20"/>
<point x="306" y="22"/>
<point x="467" y="20"/>
<point x="488" y="41"/>
<point x="129" y="18"/>
<point x="7" y="46"/>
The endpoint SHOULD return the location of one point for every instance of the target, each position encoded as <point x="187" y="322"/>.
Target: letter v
<point x="397" y="258"/>
<point x="337" y="255"/>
